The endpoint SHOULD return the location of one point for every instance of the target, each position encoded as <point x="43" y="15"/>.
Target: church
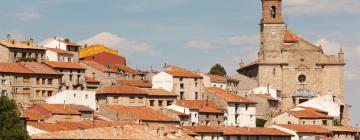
<point x="296" y="68"/>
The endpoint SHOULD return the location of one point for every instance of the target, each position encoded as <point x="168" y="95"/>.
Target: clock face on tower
<point x="302" y="78"/>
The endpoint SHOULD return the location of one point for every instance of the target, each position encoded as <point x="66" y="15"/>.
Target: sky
<point x="194" y="34"/>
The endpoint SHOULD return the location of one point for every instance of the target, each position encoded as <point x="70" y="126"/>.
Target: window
<point x="169" y="103"/>
<point x="26" y="80"/>
<point x="4" y="93"/>
<point x="196" y="95"/>
<point x="314" y="122"/>
<point x="86" y="96"/>
<point x="50" y="81"/>
<point x="273" y="11"/>
<point x="26" y="90"/>
<point x="160" y="103"/>
<point x="207" y="115"/>
<point x="43" y="93"/>
<point x="49" y="93"/>
<point x="38" y="81"/>
<point x="302" y="78"/>
<point x="181" y="79"/>
<point x="43" y="81"/>
<point x="181" y="95"/>
<point x="115" y="99"/>
<point x="70" y="77"/>
<point x="196" y="84"/>
<point x="236" y="108"/>
<point x="324" y="122"/>
<point x="3" y="82"/>
<point x="140" y="100"/>
<point x="152" y="102"/>
<point x="289" y="122"/>
<point x="246" y="107"/>
<point x="217" y="115"/>
<point x="132" y="100"/>
<point x="38" y="93"/>
<point x="181" y="86"/>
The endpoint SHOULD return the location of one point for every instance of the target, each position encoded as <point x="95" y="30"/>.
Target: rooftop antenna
<point x="8" y="36"/>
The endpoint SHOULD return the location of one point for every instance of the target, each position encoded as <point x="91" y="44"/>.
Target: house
<point x="267" y="107"/>
<point x="55" y="54"/>
<point x="89" y="50"/>
<point x="75" y="97"/>
<point x="133" y="96"/>
<point x="227" y="83"/>
<point x="184" y="83"/>
<point x="64" y="44"/>
<point x="136" y="83"/>
<point x="59" y="112"/>
<point x="105" y="58"/>
<point x="28" y="82"/>
<point x="73" y="75"/>
<point x="106" y="76"/>
<point x="139" y="114"/>
<point x="303" y="116"/>
<point x="21" y="51"/>
<point x="240" y="111"/>
<point x="343" y="132"/>
<point x="127" y="72"/>
<point x="304" y="132"/>
<point x="206" y="113"/>
<point x="237" y="133"/>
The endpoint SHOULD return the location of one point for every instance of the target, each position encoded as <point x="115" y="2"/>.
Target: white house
<point x="163" y="80"/>
<point x="325" y="102"/>
<point x="194" y="114"/>
<point x="63" y="44"/>
<point x="76" y="97"/>
<point x="265" y="90"/>
<point x="54" y="54"/>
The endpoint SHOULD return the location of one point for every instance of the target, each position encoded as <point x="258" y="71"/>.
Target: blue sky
<point x="190" y="33"/>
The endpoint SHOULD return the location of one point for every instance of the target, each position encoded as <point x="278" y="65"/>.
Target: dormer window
<point x="273" y="11"/>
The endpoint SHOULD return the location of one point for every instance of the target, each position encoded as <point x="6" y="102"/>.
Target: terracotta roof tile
<point x="106" y="58"/>
<point x="33" y="115"/>
<point x="60" y="108"/>
<point x="126" y="69"/>
<point x="38" y="68"/>
<point x="217" y="78"/>
<point x="306" y="128"/>
<point x="58" y="51"/>
<point x="98" y="66"/>
<point x="91" y="80"/>
<point x="341" y="128"/>
<point x="308" y="114"/>
<point x="11" y="43"/>
<point x="136" y="83"/>
<point x="124" y="90"/>
<point x="14" y="68"/>
<point x="317" y="110"/>
<point x="159" y="92"/>
<point x="290" y="37"/>
<point x="177" y="112"/>
<point x="201" y="105"/>
<point x="142" y="113"/>
<point x="253" y="131"/>
<point x="181" y="72"/>
<point x="64" y="65"/>
<point x="69" y="43"/>
<point x="228" y="97"/>
<point x="203" y="129"/>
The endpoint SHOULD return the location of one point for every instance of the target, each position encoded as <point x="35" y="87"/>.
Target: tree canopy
<point x="10" y="124"/>
<point x="217" y="69"/>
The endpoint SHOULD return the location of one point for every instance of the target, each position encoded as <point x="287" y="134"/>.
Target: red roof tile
<point x="308" y="114"/>
<point x="177" y="112"/>
<point x="91" y="80"/>
<point x="69" y="43"/>
<point x="317" y="110"/>
<point x="105" y="58"/>
<point x="201" y="105"/>
<point x="58" y="51"/>
<point x="64" y="65"/>
<point x="181" y="72"/>
<point x="126" y="69"/>
<point x="228" y="97"/>
<point x="203" y="129"/>
<point x="136" y="83"/>
<point x="341" y="128"/>
<point x="142" y="113"/>
<point x="159" y="92"/>
<point x="60" y="108"/>
<point x="97" y="66"/>
<point x="14" y="68"/>
<point x="10" y="43"/>
<point x="38" y="68"/>
<point x="122" y="90"/>
<point x="313" y="129"/>
<point x="290" y="37"/>
<point x="253" y="131"/>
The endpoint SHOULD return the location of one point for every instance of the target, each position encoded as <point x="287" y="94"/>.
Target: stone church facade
<point x="287" y="62"/>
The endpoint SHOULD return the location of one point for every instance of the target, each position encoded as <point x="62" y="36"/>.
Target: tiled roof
<point x="60" y="109"/>
<point x="105" y="58"/>
<point x="97" y="66"/>
<point x="203" y="129"/>
<point x="58" y="51"/>
<point x="181" y="72"/>
<point x="136" y="83"/>
<point x="69" y="43"/>
<point x="64" y="65"/>
<point x="14" y="68"/>
<point x="228" y="97"/>
<point x="217" y="78"/>
<point x="91" y="80"/>
<point x="142" y="113"/>
<point x="159" y="92"/>
<point x="177" y="112"/>
<point x="290" y="37"/>
<point x="268" y="97"/>
<point x="126" y="69"/>
<point x="253" y="131"/>
<point x="317" y="110"/>
<point x="38" y="68"/>
<point x="341" y="128"/>
<point x="10" y="43"/>
<point x="308" y="114"/>
<point x="253" y="63"/>
<point x="312" y="129"/>
<point x="124" y="90"/>
<point x="33" y="115"/>
<point x="201" y="105"/>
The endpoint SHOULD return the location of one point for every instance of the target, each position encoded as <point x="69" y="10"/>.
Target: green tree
<point x="10" y="124"/>
<point x="217" y="69"/>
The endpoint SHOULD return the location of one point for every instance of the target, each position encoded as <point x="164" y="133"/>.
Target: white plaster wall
<point x="51" y="56"/>
<point x="78" y="99"/>
<point x="52" y="43"/>
<point x="295" y="137"/>
<point x="163" y="80"/>
<point x="218" y="85"/>
<point x="326" y="103"/>
<point x="193" y="113"/>
<point x="230" y="115"/>
<point x="264" y="90"/>
<point x="247" y="118"/>
<point x="206" y="80"/>
<point x="33" y="130"/>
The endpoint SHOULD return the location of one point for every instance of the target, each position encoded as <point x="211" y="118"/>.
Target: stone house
<point x="128" y="73"/>
<point x="135" y="83"/>
<point x="55" y="54"/>
<point x="240" y="111"/>
<point x="73" y="75"/>
<point x="25" y="51"/>
<point x="184" y="83"/>
<point x="343" y="132"/>
<point x="106" y="76"/>
<point x="28" y="82"/>
<point x="267" y="107"/>
<point x="227" y="83"/>
<point x="64" y="44"/>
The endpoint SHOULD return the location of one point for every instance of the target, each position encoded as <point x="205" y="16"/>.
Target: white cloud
<point x="328" y="46"/>
<point x="239" y="40"/>
<point x="122" y="44"/>
<point x="315" y="7"/>
<point x="149" y="6"/>
<point x="27" y="16"/>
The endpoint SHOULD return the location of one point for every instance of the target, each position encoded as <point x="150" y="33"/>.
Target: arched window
<point x="273" y="11"/>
